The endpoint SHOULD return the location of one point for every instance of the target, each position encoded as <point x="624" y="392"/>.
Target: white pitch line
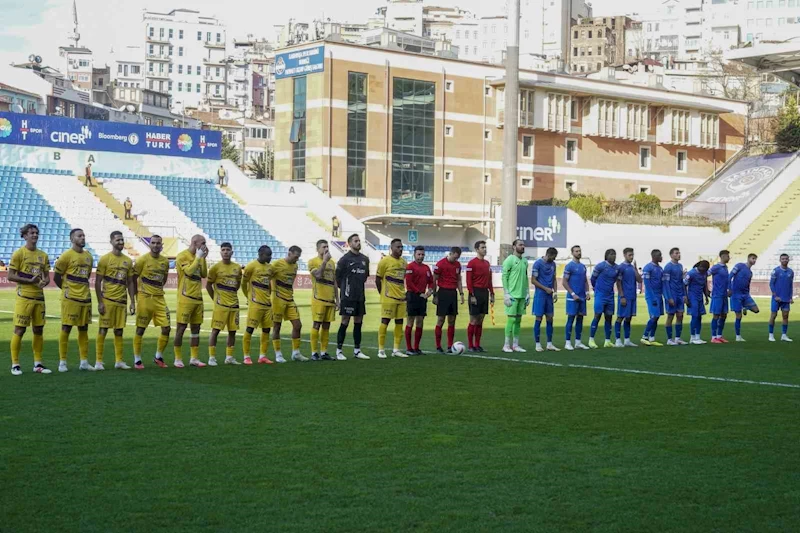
<point x="576" y="366"/>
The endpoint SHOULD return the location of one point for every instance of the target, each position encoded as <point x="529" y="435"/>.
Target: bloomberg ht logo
<point x="64" y="137"/>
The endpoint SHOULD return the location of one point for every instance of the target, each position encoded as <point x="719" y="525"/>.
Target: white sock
<point x="158" y="355"/>
<point x="137" y="358"/>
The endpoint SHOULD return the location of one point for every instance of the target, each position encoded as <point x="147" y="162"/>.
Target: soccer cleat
<point x="739" y="338"/>
<point x="138" y="365"/>
<point x="231" y="361"/>
<point x="656" y="343"/>
<point x="381" y="354"/>
<point x="279" y="357"/>
<point x="121" y="366"/>
<point x="580" y="346"/>
<point x="398" y="353"/>
<point x="177" y="363"/>
<point x="62" y="366"/>
<point x="324" y="356"/>
<point x="247" y="361"/>
<point x="358" y="354"/>
<point x="86" y="366"/>
<point x="568" y="346"/>
<point x="39" y="368"/>
<point x="645" y="342"/>
<point x="16" y="370"/>
<point x="629" y="344"/>
<point x="471" y="350"/>
<point x="315" y="357"/>
<point x="785" y="338"/>
<point x="771" y="338"/>
<point x="619" y="344"/>
<point x="723" y="340"/>
<point x="439" y="350"/>
<point x="299" y="358"/>
<point x="212" y="361"/>
<point x="671" y="342"/>
<point x="519" y="349"/>
<point x="715" y="340"/>
<point x="680" y="342"/>
<point x="418" y="352"/>
<point x="592" y="344"/>
<point x="539" y="347"/>
<point x="552" y="347"/>
<point x="608" y="344"/>
<point x="99" y="366"/>
<point x="480" y="349"/>
<point x="196" y="363"/>
<point x="264" y="360"/>
<point x="697" y="341"/>
<point x="507" y="348"/>
<point x="340" y="355"/>
<point x="160" y="362"/>
<point x="411" y="352"/>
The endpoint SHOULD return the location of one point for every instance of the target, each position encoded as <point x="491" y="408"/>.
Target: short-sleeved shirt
<point x="284" y="274"/>
<point x="191" y="271"/>
<point x="226" y="280"/>
<point x="695" y="283"/>
<point x="479" y="274"/>
<point x="627" y="275"/>
<point x="324" y="289"/>
<point x="29" y="264"/>
<point x="544" y="272"/>
<point x="673" y="281"/>
<point x="115" y="271"/>
<point x="781" y="283"/>
<point x="604" y="277"/>
<point x="392" y="270"/>
<point x="719" y="280"/>
<point x="740" y="278"/>
<point x="515" y="276"/>
<point x="653" y="279"/>
<point x="575" y="274"/>
<point x="75" y="268"/>
<point x="418" y="277"/>
<point x="256" y="283"/>
<point x="449" y="273"/>
<point x="152" y="272"/>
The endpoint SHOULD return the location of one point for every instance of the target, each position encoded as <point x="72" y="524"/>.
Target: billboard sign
<point x="69" y="133"/>
<point x="542" y="226"/>
<point x="300" y="62"/>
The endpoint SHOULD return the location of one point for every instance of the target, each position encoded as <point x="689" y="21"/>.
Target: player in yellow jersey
<point x="390" y="280"/>
<point x="224" y="280"/>
<point x="324" y="300"/>
<point x="192" y="268"/>
<point x="284" y="272"/>
<point x="30" y="270"/>
<point x="113" y="281"/>
<point x="150" y="275"/>
<point x="256" y="288"/>
<point x="72" y="271"/>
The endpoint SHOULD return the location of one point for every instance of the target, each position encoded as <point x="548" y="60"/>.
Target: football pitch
<point x="691" y="438"/>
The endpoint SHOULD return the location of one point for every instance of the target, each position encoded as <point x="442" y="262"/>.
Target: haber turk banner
<point x="70" y="133"/>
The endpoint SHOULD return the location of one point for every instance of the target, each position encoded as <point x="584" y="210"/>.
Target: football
<point x="458" y="348"/>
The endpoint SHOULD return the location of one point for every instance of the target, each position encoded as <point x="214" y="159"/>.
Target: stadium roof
<point x="780" y="59"/>
<point x="421" y="220"/>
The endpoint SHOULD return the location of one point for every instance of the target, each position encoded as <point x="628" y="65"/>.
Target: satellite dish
<point x="32" y="58"/>
<point x="38" y="60"/>
<point x="16" y="108"/>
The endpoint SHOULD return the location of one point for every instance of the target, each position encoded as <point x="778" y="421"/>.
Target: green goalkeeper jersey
<point x="515" y="276"/>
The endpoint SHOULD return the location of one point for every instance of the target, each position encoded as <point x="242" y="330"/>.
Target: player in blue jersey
<point x="604" y="277"/>
<point x="543" y="277"/>
<point x="719" y="297"/>
<point x="576" y="284"/>
<point x="739" y="291"/>
<point x="696" y="282"/>
<point x="781" y="285"/>
<point x="674" y="297"/>
<point x="652" y="277"/>
<point x="628" y="280"/>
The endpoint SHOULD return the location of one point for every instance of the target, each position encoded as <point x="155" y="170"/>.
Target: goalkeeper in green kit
<point x="516" y="294"/>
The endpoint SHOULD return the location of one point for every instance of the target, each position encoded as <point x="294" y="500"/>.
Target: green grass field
<point x="430" y="443"/>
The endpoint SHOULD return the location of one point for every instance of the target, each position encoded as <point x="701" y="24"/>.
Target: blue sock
<point x="720" y="326"/>
<point x="738" y="326"/>
<point x="654" y="327"/>
<point x="678" y="330"/>
<point x="785" y="329"/>
<point x="699" y="327"/>
<point x="537" y="330"/>
<point x="669" y="332"/>
<point x="593" y="327"/>
<point x="570" y="320"/>
<point x="607" y="328"/>
<point x="714" y="322"/>
<point x="771" y="329"/>
<point x="549" y="329"/>
<point x="578" y="328"/>
<point x="646" y="333"/>
<point x="627" y="329"/>
<point x="692" y="323"/>
<point x="617" y="329"/>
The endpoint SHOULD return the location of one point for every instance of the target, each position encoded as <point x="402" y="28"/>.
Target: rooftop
<point x="75" y="49"/>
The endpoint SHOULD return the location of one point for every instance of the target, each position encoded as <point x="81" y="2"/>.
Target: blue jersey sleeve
<point x="665" y="279"/>
<point x="773" y="281"/>
<point x="732" y="276"/>
<point x="598" y="269"/>
<point x="535" y="269"/>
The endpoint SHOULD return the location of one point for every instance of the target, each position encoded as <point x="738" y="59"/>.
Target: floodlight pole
<point x="508" y="225"/>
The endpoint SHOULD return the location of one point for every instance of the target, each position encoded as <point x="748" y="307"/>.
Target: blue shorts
<point x="780" y="306"/>
<point x="655" y="307"/>
<point x="627" y="311"/>
<point x="719" y="305"/>
<point x="542" y="304"/>
<point x="742" y="301"/>
<point x="677" y="308"/>
<point x="575" y="308"/>
<point x="696" y="307"/>
<point x="603" y="304"/>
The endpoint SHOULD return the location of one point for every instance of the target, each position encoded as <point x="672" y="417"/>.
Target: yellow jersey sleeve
<point x="75" y="269"/>
<point x="393" y="272"/>
<point x="29" y="264"/>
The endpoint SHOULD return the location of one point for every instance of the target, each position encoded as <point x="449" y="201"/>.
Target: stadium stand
<point x="20" y="203"/>
<point x="432" y="253"/>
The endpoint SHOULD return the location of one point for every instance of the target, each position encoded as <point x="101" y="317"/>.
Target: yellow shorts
<point x="259" y="317"/>
<point x="190" y="312"/>
<point x="225" y="318"/>
<point x="283" y="310"/>
<point x="28" y="312"/>
<point x="75" y="314"/>
<point x="393" y="311"/>
<point x="115" y="317"/>
<point x="152" y="308"/>
<point x="322" y="312"/>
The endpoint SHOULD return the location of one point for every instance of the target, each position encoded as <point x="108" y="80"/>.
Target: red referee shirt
<point x="418" y="277"/>
<point x="449" y="274"/>
<point x="479" y="275"/>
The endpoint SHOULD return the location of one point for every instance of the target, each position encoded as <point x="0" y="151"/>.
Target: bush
<point x="788" y="136"/>
<point x="587" y="206"/>
<point x="644" y="203"/>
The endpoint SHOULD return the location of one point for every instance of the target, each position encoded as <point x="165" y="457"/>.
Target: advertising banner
<point x="94" y="135"/>
<point x="542" y="226"/>
<point x="300" y="62"/>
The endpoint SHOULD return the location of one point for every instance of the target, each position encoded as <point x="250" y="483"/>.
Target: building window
<point x="219" y="38"/>
<point x="637" y="122"/>
<point x="152" y="31"/>
<point x="526" y="182"/>
<point x="573" y="110"/>
<point x="599" y="50"/>
<point x="487" y="179"/>
<point x="681" y="161"/>
<point x="198" y="88"/>
<point x="487" y="135"/>
<point x="574" y="51"/>
<point x="527" y="146"/>
<point x="590" y="34"/>
<point x="575" y="34"/>
<point x="448" y="131"/>
<point x="448" y="86"/>
<point x="169" y="85"/>
<point x="199" y="36"/>
<point x="180" y="51"/>
<point x="208" y="36"/>
<point x="680" y="194"/>
<point x="680" y="126"/>
<point x="413" y="142"/>
<point x="644" y="158"/>
<point x="448" y="176"/>
<point x="297" y="135"/>
<point x="487" y="91"/>
<point x="571" y="152"/>
<point x="571" y="186"/>
<point x="558" y="112"/>
<point x="356" y="134"/>
<point x="709" y="130"/>
<point x="161" y="33"/>
<point x="180" y="34"/>
<point x="180" y="86"/>
<point x="644" y="189"/>
<point x="180" y="69"/>
<point x="170" y="33"/>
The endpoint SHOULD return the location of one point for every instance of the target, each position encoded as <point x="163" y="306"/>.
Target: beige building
<point x="388" y="132"/>
<point x="599" y="42"/>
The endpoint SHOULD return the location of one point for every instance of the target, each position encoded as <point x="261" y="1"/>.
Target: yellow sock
<point x="137" y="345"/>
<point x="295" y="345"/>
<point x="398" y="336"/>
<point x="63" y="344"/>
<point x="16" y="348"/>
<point x="382" y="335"/>
<point x="178" y="351"/>
<point x="118" y="349"/>
<point x="212" y="351"/>
<point x="38" y="347"/>
<point x="83" y="345"/>
<point x="276" y="344"/>
<point x="323" y="340"/>
<point x="99" y="346"/>
<point x="246" y="344"/>
<point x="229" y="351"/>
<point x="263" y="344"/>
<point x="194" y="351"/>
<point x="163" y="340"/>
<point x="314" y="340"/>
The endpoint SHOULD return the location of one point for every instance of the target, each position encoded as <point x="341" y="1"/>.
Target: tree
<point x="788" y="136"/>
<point x="263" y="166"/>
<point x="731" y="79"/>
<point x="229" y="151"/>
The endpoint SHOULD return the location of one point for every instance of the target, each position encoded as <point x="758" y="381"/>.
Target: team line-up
<point x="123" y="285"/>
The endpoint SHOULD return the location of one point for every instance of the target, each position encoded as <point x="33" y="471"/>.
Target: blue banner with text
<point x="300" y="62"/>
<point x="542" y="226"/>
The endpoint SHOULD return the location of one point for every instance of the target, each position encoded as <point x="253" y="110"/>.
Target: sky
<point x="41" y="26"/>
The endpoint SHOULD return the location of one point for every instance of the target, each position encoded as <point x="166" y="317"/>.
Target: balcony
<point x="159" y="57"/>
<point x="214" y="44"/>
<point x="214" y="79"/>
<point x="158" y="75"/>
<point x="157" y="40"/>
<point x="214" y="62"/>
<point x="214" y="96"/>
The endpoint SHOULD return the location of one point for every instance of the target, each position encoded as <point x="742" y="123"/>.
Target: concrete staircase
<point x="116" y="207"/>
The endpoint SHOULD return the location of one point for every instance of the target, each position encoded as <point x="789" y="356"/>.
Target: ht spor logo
<point x="71" y="138"/>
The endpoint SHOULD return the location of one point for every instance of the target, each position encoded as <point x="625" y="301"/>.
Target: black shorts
<point x="352" y="308"/>
<point x="481" y="307"/>
<point x="447" y="302"/>
<point x="416" y="305"/>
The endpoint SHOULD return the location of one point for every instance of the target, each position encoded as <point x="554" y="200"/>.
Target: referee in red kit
<point x="481" y="294"/>
<point x="419" y="287"/>
<point x="446" y="280"/>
